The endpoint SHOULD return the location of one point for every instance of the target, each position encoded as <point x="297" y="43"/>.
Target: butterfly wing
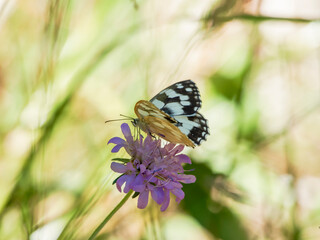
<point x="194" y="126"/>
<point x="181" y="98"/>
<point x="154" y="121"/>
<point x="145" y="108"/>
<point x="167" y="131"/>
<point x="173" y="114"/>
<point x="182" y="101"/>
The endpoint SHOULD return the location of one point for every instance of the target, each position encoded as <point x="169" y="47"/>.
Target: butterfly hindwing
<point x="181" y="98"/>
<point x="195" y="127"/>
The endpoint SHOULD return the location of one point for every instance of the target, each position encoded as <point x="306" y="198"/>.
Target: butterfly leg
<point x="150" y="133"/>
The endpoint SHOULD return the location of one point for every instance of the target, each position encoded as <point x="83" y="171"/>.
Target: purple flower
<point x="152" y="168"/>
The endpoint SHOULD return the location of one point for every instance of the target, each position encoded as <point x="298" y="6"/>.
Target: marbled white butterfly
<point x="173" y="115"/>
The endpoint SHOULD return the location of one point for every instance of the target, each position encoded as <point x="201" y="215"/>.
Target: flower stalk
<point x="104" y="222"/>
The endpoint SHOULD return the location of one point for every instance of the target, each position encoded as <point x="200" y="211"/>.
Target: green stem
<point x="257" y="18"/>
<point x="104" y="222"/>
<point x="266" y="18"/>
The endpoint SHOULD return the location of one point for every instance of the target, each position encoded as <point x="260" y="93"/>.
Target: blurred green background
<point x="67" y="66"/>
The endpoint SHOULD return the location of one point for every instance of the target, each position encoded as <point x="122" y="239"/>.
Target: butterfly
<point x="173" y="115"/>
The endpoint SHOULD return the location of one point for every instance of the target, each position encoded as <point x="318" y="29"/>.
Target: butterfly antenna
<point x="128" y="117"/>
<point x="120" y="119"/>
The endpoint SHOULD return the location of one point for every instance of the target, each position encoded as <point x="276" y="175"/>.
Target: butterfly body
<point x="173" y="115"/>
<point x="154" y="121"/>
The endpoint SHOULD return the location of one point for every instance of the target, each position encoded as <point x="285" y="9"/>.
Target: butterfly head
<point x="135" y="122"/>
<point x="140" y="124"/>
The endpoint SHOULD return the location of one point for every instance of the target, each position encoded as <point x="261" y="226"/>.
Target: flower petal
<point x="127" y="133"/>
<point x="172" y="185"/>
<point x="178" y="193"/>
<point x="117" y="140"/>
<point x="177" y="149"/>
<point x="138" y="185"/>
<point x="143" y="199"/>
<point x="118" y="167"/>
<point x="142" y="168"/>
<point x="147" y="140"/>
<point x="158" y="194"/>
<point x="130" y="167"/>
<point x="116" y="148"/>
<point x="182" y="158"/>
<point x="120" y="182"/>
<point x="169" y="146"/>
<point x="166" y="200"/>
<point x="176" y="185"/>
<point x="119" y="144"/>
<point x="186" y="178"/>
<point x="130" y="179"/>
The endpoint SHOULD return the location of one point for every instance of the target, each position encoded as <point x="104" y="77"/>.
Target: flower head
<point x="152" y="168"/>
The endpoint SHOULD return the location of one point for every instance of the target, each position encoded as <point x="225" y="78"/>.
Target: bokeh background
<point x="67" y="66"/>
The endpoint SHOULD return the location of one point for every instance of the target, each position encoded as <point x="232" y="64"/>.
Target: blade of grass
<point x="76" y="81"/>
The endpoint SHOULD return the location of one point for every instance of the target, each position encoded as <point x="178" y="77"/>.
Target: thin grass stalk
<point x="110" y="215"/>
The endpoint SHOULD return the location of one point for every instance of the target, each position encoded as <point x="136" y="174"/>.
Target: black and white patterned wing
<point x="182" y="101"/>
<point x="181" y="98"/>
<point x="194" y="126"/>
